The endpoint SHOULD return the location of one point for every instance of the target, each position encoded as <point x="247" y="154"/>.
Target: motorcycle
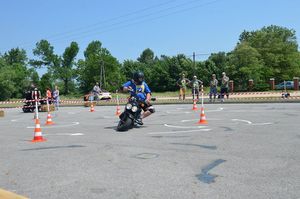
<point x="131" y="114"/>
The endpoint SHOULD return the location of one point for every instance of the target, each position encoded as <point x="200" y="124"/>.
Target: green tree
<point x="220" y="60"/>
<point x="278" y="49"/>
<point x="89" y="69"/>
<point x="14" y="76"/>
<point x="15" y="55"/>
<point x="59" y="67"/>
<point x="147" y="56"/>
<point x="66" y="71"/>
<point x="245" y="63"/>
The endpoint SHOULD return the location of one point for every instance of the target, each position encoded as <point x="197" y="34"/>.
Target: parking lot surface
<point x="245" y="151"/>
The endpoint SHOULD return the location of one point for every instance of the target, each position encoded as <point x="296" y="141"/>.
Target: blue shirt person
<point x="137" y="86"/>
<point x="140" y="91"/>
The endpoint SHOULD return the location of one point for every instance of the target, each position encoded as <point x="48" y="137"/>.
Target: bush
<point x="261" y="87"/>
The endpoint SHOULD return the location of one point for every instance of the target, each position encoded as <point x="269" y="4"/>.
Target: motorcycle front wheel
<point x="125" y="124"/>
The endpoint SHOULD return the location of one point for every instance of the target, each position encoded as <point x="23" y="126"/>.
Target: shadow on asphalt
<point x="54" y="147"/>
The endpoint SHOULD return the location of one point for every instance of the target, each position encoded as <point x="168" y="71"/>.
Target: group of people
<point x="183" y="83"/>
<point x="51" y="96"/>
<point x="195" y="84"/>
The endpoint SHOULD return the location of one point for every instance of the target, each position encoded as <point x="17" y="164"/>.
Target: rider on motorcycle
<point x="138" y="87"/>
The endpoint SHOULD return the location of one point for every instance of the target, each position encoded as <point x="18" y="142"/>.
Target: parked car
<point x="288" y="85"/>
<point x="104" y="95"/>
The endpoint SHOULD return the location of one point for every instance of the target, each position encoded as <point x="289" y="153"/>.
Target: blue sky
<point x="126" y="28"/>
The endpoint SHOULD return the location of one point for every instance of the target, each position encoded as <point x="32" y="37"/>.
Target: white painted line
<point x="55" y="126"/>
<point x="261" y="124"/>
<point x="13" y="120"/>
<point x="75" y="134"/>
<point x="184" y="127"/>
<point x="255" y="124"/>
<point x="242" y="121"/>
<point x="189" y="120"/>
<point x="170" y="112"/>
<point x="219" y="109"/>
<point x="70" y="134"/>
<point x="173" y="132"/>
<point x="198" y="120"/>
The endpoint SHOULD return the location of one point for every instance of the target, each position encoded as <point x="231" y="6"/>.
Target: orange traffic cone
<point x="195" y="106"/>
<point x="92" y="107"/>
<point x="49" y="119"/>
<point x="38" y="132"/>
<point x="202" y="117"/>
<point x="118" y="112"/>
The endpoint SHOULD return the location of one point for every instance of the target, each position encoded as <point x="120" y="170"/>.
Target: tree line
<point x="269" y="52"/>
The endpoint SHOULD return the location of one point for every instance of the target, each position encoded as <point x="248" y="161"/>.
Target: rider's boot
<point x="139" y="121"/>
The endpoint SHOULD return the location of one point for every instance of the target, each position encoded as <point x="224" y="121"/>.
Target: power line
<point x="135" y="18"/>
<point x="118" y="17"/>
<point x="118" y="25"/>
<point x="108" y="20"/>
<point x="90" y="33"/>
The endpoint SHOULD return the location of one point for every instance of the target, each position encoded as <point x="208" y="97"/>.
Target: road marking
<point x="184" y="127"/>
<point x="198" y="120"/>
<point x="260" y="124"/>
<point x="255" y="124"/>
<point x="174" y="132"/>
<point x="77" y="134"/>
<point x="197" y="145"/>
<point x="70" y="134"/>
<point x="13" y="120"/>
<point x="170" y="112"/>
<point x="219" y="109"/>
<point x="146" y="155"/>
<point x="55" y="126"/>
<point x="189" y="120"/>
<point x="242" y="121"/>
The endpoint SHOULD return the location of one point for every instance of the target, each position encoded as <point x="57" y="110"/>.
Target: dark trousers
<point x="223" y="92"/>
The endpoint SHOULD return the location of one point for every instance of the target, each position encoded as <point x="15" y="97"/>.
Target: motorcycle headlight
<point x="128" y="106"/>
<point x="134" y="108"/>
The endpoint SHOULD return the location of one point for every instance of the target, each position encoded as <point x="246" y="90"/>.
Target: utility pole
<point x="102" y="74"/>
<point x="194" y="65"/>
<point x="100" y="82"/>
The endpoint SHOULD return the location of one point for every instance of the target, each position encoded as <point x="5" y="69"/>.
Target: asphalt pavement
<point x="246" y="151"/>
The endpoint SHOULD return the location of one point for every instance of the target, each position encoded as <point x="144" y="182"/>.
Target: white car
<point x="104" y="95"/>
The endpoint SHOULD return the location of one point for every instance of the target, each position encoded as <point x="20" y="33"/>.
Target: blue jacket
<point x="140" y="90"/>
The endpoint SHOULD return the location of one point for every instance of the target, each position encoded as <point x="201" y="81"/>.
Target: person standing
<point x="96" y="91"/>
<point x="182" y="83"/>
<point x="196" y="83"/>
<point x="56" y="97"/>
<point x="224" y="86"/>
<point x="213" y="87"/>
<point x="35" y="93"/>
<point x="49" y="95"/>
